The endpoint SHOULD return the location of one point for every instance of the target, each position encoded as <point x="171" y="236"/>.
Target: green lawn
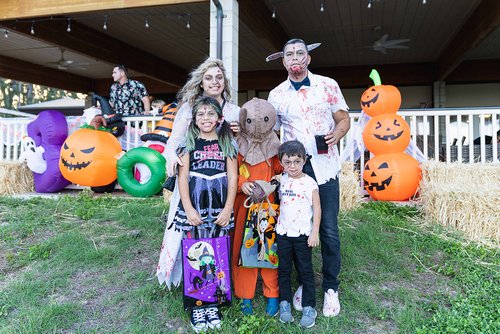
<point x="86" y="265"/>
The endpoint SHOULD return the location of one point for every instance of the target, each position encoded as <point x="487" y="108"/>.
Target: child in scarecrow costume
<point x="257" y="160"/>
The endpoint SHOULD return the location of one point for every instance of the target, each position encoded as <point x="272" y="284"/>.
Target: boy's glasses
<point x="294" y="163"/>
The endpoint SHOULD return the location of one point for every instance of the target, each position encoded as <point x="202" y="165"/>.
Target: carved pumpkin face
<point x="381" y="99"/>
<point x="88" y="157"/>
<point x="392" y="177"/>
<point x="249" y="243"/>
<point x="273" y="259"/>
<point x="386" y="133"/>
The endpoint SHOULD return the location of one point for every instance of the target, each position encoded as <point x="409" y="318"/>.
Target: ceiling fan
<point x="62" y="63"/>
<point x="382" y="44"/>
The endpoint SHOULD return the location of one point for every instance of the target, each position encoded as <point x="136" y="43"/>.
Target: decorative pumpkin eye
<point x="396" y="122"/>
<point x="367" y="167"/>
<point x="65" y="146"/>
<point x="88" y="150"/>
<point x="266" y="119"/>
<point x="378" y="126"/>
<point x="383" y="165"/>
<point x="249" y="120"/>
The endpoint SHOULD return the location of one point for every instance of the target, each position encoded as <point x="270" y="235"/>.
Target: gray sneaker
<point x="308" y="317"/>
<point x="285" y="312"/>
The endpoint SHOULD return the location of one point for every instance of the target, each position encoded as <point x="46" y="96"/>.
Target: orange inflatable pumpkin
<point x="88" y="157"/>
<point x="392" y="177"/>
<point x="386" y="133"/>
<point x="381" y="99"/>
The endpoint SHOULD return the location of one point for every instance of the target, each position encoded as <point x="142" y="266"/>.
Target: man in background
<point x="128" y="97"/>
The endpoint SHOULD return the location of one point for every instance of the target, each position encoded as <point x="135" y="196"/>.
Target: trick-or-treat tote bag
<point x="206" y="271"/>
<point x="259" y="248"/>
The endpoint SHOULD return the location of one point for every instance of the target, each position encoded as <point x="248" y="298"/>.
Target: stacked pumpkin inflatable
<point x="391" y="175"/>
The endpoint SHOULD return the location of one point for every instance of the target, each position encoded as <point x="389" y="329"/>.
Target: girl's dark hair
<point x="292" y="148"/>
<point x="224" y="132"/>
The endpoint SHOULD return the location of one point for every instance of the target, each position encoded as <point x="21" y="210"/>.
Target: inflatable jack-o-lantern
<point x="380" y="99"/>
<point x="392" y="177"/>
<point x="88" y="157"/>
<point x="387" y="133"/>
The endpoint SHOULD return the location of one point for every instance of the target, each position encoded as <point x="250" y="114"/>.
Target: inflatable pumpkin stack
<point x="391" y="175"/>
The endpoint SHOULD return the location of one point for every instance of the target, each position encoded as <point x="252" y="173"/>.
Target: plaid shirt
<point x="126" y="98"/>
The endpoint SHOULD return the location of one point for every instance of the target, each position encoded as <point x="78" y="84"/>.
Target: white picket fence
<point x="449" y="135"/>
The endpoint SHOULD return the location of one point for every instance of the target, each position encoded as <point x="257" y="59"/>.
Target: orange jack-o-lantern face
<point x="249" y="243"/>
<point x="387" y="133"/>
<point x="392" y="177"/>
<point x="88" y="157"/>
<point x="273" y="259"/>
<point x="381" y="99"/>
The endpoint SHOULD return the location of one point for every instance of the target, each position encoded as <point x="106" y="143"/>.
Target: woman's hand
<point x="247" y="188"/>
<point x="235" y="127"/>
<point x="172" y="161"/>
<point x="193" y="217"/>
<point x="224" y="217"/>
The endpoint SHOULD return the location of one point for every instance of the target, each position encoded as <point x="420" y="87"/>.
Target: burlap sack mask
<point x="257" y="140"/>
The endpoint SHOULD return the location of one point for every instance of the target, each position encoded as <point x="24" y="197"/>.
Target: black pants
<point x="328" y="230"/>
<point x="295" y="249"/>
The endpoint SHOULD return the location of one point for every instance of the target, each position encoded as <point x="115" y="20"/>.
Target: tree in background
<point x="16" y="93"/>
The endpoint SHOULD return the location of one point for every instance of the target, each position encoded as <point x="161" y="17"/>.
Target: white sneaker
<point x="297" y="299"/>
<point x="331" y="305"/>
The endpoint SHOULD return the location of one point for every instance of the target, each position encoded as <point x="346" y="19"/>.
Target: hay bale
<point x="464" y="174"/>
<point x="167" y="195"/>
<point x="466" y="197"/>
<point x="350" y="190"/>
<point x="15" y="178"/>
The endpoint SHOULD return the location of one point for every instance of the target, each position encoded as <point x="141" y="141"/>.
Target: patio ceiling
<point x="453" y="40"/>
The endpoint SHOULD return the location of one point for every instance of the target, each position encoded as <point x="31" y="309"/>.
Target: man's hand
<point x="98" y="121"/>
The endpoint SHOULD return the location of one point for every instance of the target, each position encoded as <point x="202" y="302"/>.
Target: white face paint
<point x="213" y="82"/>
<point x="296" y="59"/>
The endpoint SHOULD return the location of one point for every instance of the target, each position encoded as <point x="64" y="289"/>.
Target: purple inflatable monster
<point x="49" y="130"/>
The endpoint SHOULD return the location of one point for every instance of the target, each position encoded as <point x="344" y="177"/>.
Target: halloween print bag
<point x="259" y="248"/>
<point x="206" y="271"/>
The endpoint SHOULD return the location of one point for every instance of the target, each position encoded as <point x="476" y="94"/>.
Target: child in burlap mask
<point x="258" y="164"/>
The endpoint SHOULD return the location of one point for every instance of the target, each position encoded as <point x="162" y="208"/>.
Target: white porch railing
<point x="449" y="135"/>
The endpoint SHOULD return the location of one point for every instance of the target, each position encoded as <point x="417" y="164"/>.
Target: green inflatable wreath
<point x="153" y="160"/>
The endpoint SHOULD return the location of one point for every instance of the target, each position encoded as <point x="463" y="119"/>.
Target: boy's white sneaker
<point x="331" y="305"/>
<point x="297" y="299"/>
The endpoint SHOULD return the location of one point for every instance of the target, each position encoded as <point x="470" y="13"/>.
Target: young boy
<point x="297" y="231"/>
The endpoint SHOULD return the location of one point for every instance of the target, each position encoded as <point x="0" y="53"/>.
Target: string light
<point x="146" y="24"/>
<point x="322" y="7"/>
<point x="105" y="25"/>
<point x="6" y="33"/>
<point x="188" y="25"/>
<point x="68" y="29"/>
<point x="424" y="2"/>
<point x="32" y="31"/>
<point x="369" y="4"/>
<point x="274" y="14"/>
